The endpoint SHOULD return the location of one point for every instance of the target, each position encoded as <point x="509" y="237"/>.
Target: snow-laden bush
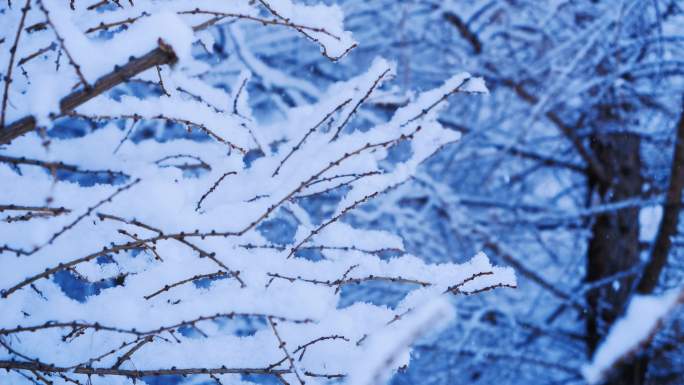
<point x="167" y="234"/>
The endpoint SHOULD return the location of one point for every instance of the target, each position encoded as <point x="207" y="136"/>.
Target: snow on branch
<point x="162" y="33"/>
<point x="165" y="237"/>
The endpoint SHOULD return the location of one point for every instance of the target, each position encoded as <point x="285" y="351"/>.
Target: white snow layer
<point x="273" y="281"/>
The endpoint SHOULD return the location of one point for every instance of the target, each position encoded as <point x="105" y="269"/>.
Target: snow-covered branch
<point x="166" y="235"/>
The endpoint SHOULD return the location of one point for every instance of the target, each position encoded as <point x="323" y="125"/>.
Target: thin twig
<point x="10" y="65"/>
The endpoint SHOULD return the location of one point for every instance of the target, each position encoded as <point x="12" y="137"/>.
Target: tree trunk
<point x="614" y="243"/>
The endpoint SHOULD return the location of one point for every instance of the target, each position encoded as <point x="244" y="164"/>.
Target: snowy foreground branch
<point x="170" y="232"/>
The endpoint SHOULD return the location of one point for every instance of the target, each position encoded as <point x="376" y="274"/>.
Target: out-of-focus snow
<point x="649" y="219"/>
<point x="640" y="322"/>
<point x="390" y="348"/>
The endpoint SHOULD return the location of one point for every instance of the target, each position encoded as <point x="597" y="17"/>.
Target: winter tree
<point x="140" y="180"/>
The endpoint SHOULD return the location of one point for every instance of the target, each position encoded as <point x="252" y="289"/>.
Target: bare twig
<point x="126" y="356"/>
<point x="218" y="274"/>
<point x="10" y="65"/>
<point x="84" y="215"/>
<point x="306" y="34"/>
<point x="359" y="103"/>
<point x="313" y="129"/>
<point x="281" y="344"/>
<point x="60" y="39"/>
<point x="212" y="188"/>
<point x="45" y="368"/>
<point x="100" y="327"/>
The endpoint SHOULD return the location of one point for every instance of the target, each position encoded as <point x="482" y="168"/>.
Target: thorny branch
<point x="185" y="122"/>
<point x="182" y="235"/>
<point x="313" y="129"/>
<point x="307" y="34"/>
<point x="194" y="278"/>
<point x="80" y="217"/>
<point x="157" y="57"/>
<point x="282" y="346"/>
<point x="45" y="368"/>
<point x="99" y="327"/>
<point x="10" y="65"/>
<point x="140" y="340"/>
<point x="52" y="167"/>
<point x="60" y="39"/>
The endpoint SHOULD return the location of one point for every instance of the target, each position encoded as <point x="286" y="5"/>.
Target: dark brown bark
<point x="464" y="30"/>
<point x="632" y="370"/>
<point x="159" y="56"/>
<point x="614" y="243"/>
